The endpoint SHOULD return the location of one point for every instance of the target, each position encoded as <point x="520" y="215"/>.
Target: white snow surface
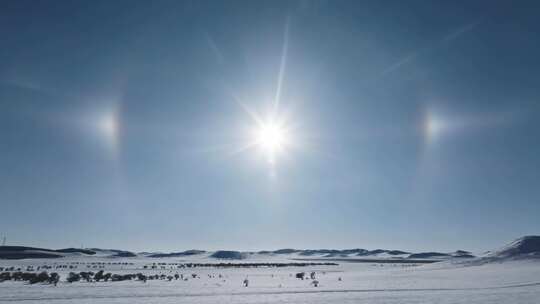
<point x="455" y="281"/>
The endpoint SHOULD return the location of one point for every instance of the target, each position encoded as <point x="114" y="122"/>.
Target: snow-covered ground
<point x="515" y="281"/>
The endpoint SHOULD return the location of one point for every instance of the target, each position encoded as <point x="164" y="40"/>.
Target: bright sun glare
<point x="271" y="138"/>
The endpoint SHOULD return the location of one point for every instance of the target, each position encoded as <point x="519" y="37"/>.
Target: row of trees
<point x="238" y="265"/>
<point x="98" y="276"/>
<point x="72" y="265"/>
<point x="101" y="276"/>
<point x="31" y="277"/>
<point x="54" y="278"/>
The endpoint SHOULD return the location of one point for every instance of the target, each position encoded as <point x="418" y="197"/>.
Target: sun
<point x="271" y="138"/>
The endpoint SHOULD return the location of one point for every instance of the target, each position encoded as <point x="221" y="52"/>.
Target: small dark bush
<point x="98" y="276"/>
<point x="87" y="276"/>
<point x="141" y="277"/>
<point x="5" y="276"/>
<point x="40" y="278"/>
<point x="107" y="276"/>
<point x="73" y="277"/>
<point x="54" y="278"/>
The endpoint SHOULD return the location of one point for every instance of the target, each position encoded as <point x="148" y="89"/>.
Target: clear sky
<point x="247" y="125"/>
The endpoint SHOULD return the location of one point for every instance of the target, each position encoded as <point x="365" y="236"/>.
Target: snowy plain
<point x="453" y="281"/>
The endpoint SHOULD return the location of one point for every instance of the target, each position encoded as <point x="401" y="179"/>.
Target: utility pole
<point x="4" y="241"/>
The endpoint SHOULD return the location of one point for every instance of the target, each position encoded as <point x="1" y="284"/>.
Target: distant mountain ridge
<point x="229" y="255"/>
<point x="175" y="254"/>
<point x="114" y="252"/>
<point x="524" y="247"/>
<point x="24" y="252"/>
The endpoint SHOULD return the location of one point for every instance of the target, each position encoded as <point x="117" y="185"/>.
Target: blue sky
<point x="408" y="125"/>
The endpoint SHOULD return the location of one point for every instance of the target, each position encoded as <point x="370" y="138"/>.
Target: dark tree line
<point x="236" y="265"/>
<point x="31" y="277"/>
<point x="101" y="276"/>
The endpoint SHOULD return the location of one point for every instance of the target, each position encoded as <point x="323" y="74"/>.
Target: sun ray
<point x="269" y="133"/>
<point x="282" y="66"/>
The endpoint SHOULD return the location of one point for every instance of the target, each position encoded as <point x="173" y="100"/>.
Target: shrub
<point x="17" y="276"/>
<point x="54" y="278"/>
<point x="73" y="277"/>
<point x="40" y="278"/>
<point x="98" y="276"/>
<point x="5" y="276"/>
<point x="87" y="276"/>
<point x="107" y="276"/>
